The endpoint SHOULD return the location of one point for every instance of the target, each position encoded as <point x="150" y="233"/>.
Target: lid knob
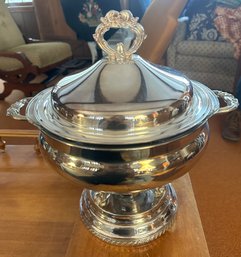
<point x="123" y="19"/>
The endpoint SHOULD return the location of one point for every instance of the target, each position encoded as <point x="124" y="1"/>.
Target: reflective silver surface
<point x="124" y="169"/>
<point x="129" y="219"/>
<point x="124" y="129"/>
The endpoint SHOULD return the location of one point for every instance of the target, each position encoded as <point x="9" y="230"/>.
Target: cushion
<point x="206" y="48"/>
<point x="45" y="54"/>
<point x="9" y="64"/>
<point x="212" y="80"/>
<point x="39" y="54"/>
<point x="12" y="35"/>
<point x="225" y="66"/>
<point x="201" y="21"/>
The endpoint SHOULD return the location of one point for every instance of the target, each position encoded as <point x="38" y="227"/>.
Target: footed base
<point x="129" y="219"/>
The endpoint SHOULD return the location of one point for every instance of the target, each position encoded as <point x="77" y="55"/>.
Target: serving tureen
<point x="124" y="129"/>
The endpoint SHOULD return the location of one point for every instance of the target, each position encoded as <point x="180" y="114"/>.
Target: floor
<point x="216" y="183"/>
<point x="216" y="180"/>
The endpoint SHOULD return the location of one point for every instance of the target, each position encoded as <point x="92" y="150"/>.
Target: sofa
<point x="209" y="60"/>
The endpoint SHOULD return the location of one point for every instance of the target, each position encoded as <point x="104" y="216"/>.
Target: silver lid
<point x="122" y="99"/>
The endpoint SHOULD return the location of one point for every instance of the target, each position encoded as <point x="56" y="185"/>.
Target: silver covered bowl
<point x="121" y="146"/>
<point x="124" y="128"/>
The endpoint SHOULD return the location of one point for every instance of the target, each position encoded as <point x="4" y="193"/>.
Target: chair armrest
<point x="23" y="71"/>
<point x="181" y="30"/>
<point x="21" y="57"/>
<point x="178" y="37"/>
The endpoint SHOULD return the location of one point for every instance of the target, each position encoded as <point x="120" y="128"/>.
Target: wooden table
<point x="39" y="216"/>
<point x="15" y="131"/>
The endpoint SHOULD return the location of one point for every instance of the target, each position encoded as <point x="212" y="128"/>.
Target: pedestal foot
<point x="129" y="219"/>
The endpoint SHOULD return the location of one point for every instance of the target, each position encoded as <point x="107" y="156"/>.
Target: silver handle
<point x="231" y="102"/>
<point x="123" y="19"/>
<point x="15" y="109"/>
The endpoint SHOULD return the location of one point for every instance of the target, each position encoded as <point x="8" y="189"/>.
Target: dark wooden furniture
<point x="23" y="78"/>
<point x="21" y="61"/>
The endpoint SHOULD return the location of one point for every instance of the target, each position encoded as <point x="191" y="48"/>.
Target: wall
<point x="51" y="21"/>
<point x="24" y="15"/>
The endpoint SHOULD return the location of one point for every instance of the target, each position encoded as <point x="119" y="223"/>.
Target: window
<point x="17" y="1"/>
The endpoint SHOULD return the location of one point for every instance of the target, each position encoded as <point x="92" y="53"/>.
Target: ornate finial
<point x="123" y="19"/>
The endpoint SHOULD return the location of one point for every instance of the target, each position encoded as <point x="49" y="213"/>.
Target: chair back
<point x="10" y="35"/>
<point x="51" y="21"/>
<point x="159" y="22"/>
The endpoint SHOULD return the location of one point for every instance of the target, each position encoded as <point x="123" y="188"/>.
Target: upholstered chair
<point x="21" y="62"/>
<point x="210" y="62"/>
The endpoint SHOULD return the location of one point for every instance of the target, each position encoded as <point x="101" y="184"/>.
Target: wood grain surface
<point x="39" y="216"/>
